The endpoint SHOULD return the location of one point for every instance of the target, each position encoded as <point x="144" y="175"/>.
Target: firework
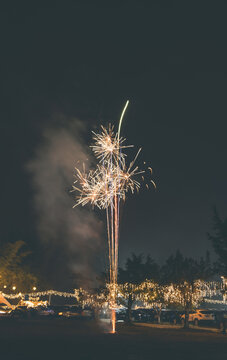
<point x="106" y="186"/>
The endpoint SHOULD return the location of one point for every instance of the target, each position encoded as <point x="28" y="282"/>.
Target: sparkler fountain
<point x="105" y="187"/>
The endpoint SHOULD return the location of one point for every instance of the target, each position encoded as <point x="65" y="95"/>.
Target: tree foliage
<point x="13" y="271"/>
<point x="182" y="275"/>
<point x="136" y="270"/>
<point x="133" y="280"/>
<point x="219" y="241"/>
<point x="179" y="269"/>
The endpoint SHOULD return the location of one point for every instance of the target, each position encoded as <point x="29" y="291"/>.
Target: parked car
<point x="221" y="319"/>
<point x="171" y="316"/>
<point x="5" y="312"/>
<point x="87" y="313"/>
<point x="45" y="311"/>
<point x="21" y="312"/>
<point x="58" y="310"/>
<point x="200" y="315"/>
<point x="74" y="312"/>
<point x="143" y="315"/>
<point x="120" y="315"/>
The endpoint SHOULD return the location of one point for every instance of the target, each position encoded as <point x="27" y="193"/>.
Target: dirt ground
<point x="77" y="339"/>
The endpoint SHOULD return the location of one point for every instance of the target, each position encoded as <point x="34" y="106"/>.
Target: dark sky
<point x="84" y="59"/>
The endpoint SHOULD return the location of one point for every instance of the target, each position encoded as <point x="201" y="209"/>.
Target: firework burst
<point x="106" y="186"/>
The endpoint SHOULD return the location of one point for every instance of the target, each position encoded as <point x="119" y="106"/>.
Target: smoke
<point x="72" y="238"/>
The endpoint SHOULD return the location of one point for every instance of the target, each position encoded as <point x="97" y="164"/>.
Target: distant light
<point x="14" y="287"/>
<point x="5" y="286"/>
<point x="34" y="288"/>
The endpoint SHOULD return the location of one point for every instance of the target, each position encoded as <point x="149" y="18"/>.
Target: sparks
<point x="105" y="187"/>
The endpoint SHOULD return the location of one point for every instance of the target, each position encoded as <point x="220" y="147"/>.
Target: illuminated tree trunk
<point x="129" y="310"/>
<point x="186" y="319"/>
<point x="159" y="311"/>
<point x="188" y="304"/>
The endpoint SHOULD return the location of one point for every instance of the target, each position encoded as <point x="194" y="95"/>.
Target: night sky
<point x="83" y="60"/>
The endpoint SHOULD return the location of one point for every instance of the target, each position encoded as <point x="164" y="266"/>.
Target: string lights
<point x="40" y="293"/>
<point x="148" y="292"/>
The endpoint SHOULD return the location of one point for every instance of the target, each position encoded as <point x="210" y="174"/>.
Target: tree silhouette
<point x="219" y="241"/>
<point x="182" y="273"/>
<point x="135" y="273"/>
<point x="13" y="271"/>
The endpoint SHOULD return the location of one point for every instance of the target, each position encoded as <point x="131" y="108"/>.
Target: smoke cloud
<point x="72" y="238"/>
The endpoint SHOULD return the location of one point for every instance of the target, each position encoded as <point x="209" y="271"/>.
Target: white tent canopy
<point x="4" y="301"/>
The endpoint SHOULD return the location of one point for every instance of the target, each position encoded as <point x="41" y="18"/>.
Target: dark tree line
<point x="135" y="272"/>
<point x="179" y="270"/>
<point x="15" y="273"/>
<point x="219" y="242"/>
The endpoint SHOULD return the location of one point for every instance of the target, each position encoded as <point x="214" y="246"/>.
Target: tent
<point x="4" y="301"/>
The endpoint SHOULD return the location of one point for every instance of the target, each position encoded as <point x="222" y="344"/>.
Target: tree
<point x="179" y="278"/>
<point x="13" y="271"/>
<point x="132" y="280"/>
<point x="219" y="241"/>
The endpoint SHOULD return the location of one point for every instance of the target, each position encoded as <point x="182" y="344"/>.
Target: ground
<point x="80" y="340"/>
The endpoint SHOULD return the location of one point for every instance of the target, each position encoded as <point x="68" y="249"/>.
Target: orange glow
<point x="113" y="321"/>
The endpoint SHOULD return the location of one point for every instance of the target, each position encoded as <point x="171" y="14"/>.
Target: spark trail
<point x="105" y="187"/>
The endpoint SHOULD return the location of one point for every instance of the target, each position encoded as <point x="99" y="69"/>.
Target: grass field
<point x="77" y="339"/>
